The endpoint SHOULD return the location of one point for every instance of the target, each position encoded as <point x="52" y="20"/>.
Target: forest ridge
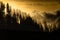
<point x="18" y="20"/>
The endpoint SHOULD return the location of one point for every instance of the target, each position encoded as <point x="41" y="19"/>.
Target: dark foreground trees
<point x="9" y="22"/>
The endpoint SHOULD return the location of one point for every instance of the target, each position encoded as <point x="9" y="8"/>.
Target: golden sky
<point x="31" y="5"/>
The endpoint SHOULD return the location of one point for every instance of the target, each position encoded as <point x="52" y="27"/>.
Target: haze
<point x="30" y="5"/>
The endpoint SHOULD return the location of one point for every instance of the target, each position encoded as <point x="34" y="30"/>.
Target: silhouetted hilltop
<point x="10" y="22"/>
<point x="18" y="20"/>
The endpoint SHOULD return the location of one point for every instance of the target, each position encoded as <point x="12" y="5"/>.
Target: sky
<point x="30" y="5"/>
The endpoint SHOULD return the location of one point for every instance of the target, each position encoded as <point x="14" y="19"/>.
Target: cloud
<point x="36" y="0"/>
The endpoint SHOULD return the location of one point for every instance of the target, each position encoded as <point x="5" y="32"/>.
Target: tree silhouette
<point x="8" y="9"/>
<point x="14" y="18"/>
<point x="29" y="25"/>
<point x="2" y="7"/>
<point x="8" y="16"/>
<point x="26" y="23"/>
<point x="58" y="13"/>
<point x="58" y="19"/>
<point x="50" y="16"/>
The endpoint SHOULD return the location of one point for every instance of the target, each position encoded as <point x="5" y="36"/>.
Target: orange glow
<point x="30" y="6"/>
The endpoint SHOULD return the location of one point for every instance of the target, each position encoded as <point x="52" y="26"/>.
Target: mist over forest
<point x="15" y="19"/>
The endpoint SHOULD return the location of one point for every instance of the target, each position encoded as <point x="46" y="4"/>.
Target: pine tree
<point x="8" y="9"/>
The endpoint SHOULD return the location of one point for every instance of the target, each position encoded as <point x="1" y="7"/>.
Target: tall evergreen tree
<point x="8" y="9"/>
